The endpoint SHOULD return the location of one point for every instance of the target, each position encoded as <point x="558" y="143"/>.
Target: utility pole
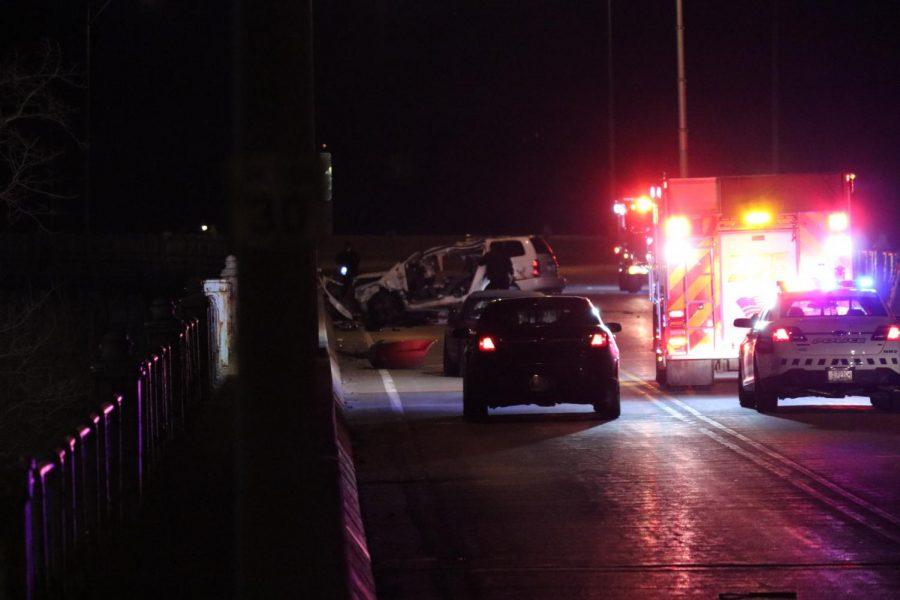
<point x="682" y="93"/>
<point x="286" y="501"/>
<point x="611" y="125"/>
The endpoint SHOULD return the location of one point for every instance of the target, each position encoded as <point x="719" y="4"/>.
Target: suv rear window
<point x="524" y="313"/>
<point x="853" y="306"/>
<point x="511" y="248"/>
<point x="541" y="246"/>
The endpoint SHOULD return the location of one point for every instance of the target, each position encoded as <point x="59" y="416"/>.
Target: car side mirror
<point x="462" y="333"/>
<point x="614" y="327"/>
<point x="743" y="323"/>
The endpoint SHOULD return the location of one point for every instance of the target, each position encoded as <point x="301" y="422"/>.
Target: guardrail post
<point x="116" y="379"/>
<point x="162" y="334"/>
<point x="195" y="308"/>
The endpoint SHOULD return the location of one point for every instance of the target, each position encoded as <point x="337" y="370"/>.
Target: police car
<point x="835" y="343"/>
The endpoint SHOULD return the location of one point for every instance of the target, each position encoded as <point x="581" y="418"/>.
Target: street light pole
<point x="682" y="93"/>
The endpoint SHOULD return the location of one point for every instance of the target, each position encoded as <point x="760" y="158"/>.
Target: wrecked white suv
<point x="445" y="275"/>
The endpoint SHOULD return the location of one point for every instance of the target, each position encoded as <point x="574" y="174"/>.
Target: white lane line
<point x="788" y="475"/>
<point x="388" y="382"/>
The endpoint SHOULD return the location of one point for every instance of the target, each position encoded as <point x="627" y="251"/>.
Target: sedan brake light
<point x="486" y="344"/>
<point x="599" y="340"/>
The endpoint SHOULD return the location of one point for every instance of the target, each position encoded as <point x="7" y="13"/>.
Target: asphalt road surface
<point x="686" y="495"/>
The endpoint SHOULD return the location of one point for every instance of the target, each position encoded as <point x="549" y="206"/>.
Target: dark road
<point x="686" y="495"/>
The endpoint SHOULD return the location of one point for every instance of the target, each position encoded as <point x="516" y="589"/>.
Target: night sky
<point x="490" y="116"/>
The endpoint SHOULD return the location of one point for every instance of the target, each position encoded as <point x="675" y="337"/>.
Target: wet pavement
<point x="686" y="495"/>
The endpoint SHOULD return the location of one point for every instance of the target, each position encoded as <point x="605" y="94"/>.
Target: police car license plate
<point x="840" y="376"/>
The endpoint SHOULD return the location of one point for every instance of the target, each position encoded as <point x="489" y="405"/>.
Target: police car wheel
<point x="745" y="398"/>
<point x="766" y="400"/>
<point x="884" y="402"/>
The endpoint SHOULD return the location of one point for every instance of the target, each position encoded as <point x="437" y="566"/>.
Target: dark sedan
<point x="543" y="351"/>
<point x="467" y="316"/>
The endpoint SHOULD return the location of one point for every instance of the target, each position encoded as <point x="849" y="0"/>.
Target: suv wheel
<point x="474" y="408"/>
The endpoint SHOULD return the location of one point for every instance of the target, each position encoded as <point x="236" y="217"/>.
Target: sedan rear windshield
<point x="851" y="306"/>
<point x="557" y="311"/>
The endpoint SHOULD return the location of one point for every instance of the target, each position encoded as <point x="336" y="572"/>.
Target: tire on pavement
<point x="885" y="401"/>
<point x="451" y="368"/>
<point x="661" y="376"/>
<point x="383" y="308"/>
<point x="474" y="408"/>
<point x="766" y="400"/>
<point x="610" y="407"/>
<point x="745" y="399"/>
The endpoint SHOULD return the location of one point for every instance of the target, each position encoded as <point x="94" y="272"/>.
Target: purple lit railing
<point x="75" y="496"/>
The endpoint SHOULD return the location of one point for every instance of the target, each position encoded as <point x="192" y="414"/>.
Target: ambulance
<point x="723" y="249"/>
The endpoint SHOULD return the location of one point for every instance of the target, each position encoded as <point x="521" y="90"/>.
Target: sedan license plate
<point x="840" y="376"/>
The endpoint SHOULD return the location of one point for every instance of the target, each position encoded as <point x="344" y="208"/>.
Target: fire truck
<point x="634" y="239"/>
<point x="724" y="248"/>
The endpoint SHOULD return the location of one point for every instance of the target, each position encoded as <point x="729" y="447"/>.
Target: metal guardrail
<point x="94" y="479"/>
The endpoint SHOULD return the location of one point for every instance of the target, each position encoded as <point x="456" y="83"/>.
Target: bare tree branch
<point x="31" y="114"/>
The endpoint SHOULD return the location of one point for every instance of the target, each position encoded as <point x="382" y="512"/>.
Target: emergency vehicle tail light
<point x="676" y="314"/>
<point x="757" y="218"/>
<point x="890" y="333"/>
<point x="838" y="221"/>
<point x="486" y="344"/>
<point x="678" y="227"/>
<point x="788" y="334"/>
<point x="642" y="205"/>
<point x="781" y="335"/>
<point x="677" y="343"/>
<point x="535" y="268"/>
<point x="619" y="208"/>
<point x="598" y="340"/>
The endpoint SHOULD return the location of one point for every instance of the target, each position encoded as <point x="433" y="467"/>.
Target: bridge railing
<point x="83" y="486"/>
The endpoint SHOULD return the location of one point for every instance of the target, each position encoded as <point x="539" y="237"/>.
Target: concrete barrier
<point x="357" y="563"/>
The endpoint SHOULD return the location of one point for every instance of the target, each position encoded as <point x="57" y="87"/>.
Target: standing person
<point x="498" y="268"/>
